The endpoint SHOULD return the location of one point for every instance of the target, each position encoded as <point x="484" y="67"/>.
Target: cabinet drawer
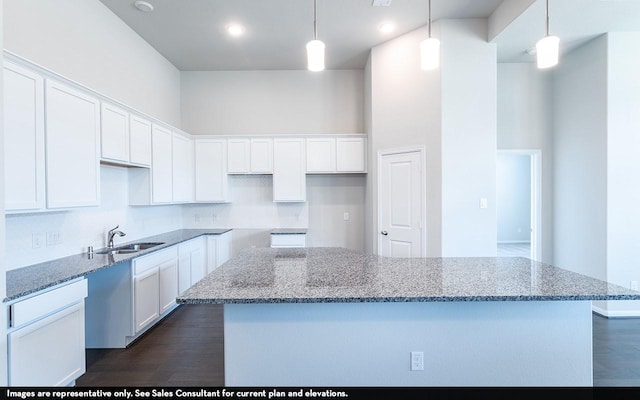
<point x="40" y="305"/>
<point x="286" y="240"/>
<point x="152" y="260"/>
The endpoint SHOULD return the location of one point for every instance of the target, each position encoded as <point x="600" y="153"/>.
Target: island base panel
<point x="519" y="343"/>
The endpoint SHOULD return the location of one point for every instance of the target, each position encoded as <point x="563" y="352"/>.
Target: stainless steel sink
<point x="130" y="248"/>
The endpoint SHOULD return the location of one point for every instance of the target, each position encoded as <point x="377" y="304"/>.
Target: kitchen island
<point x="336" y="317"/>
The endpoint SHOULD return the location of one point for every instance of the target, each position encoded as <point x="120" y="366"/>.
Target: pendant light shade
<point x="315" y="55"/>
<point x="315" y="48"/>
<point x="547" y="48"/>
<point x="430" y="50"/>
<point x="430" y="54"/>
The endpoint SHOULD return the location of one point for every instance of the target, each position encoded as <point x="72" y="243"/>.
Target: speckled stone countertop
<point x="326" y="275"/>
<point x="289" y="231"/>
<point x="33" y="278"/>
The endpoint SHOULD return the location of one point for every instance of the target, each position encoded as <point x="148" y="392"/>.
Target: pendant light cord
<point x="430" y="18"/>
<point x="547" y="19"/>
<point x="315" y="25"/>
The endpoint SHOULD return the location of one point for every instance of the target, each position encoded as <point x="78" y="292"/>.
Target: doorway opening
<point x="518" y="199"/>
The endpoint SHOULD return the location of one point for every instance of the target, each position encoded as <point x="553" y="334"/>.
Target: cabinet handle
<point x="385" y="233"/>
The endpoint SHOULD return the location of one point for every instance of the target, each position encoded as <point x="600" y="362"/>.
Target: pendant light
<point x="315" y="48"/>
<point x="430" y="49"/>
<point x="548" y="47"/>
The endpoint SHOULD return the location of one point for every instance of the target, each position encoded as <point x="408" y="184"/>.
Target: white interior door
<point x="400" y="194"/>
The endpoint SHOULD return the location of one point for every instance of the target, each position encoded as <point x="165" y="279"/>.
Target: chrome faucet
<point x="111" y="234"/>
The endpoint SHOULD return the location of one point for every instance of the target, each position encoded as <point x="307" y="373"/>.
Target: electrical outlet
<point x="53" y="238"/>
<point x="634" y="285"/>
<point x="417" y="361"/>
<point x="346" y="216"/>
<point x="483" y="203"/>
<point x="37" y="240"/>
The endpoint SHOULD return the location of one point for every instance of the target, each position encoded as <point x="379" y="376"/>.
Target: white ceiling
<point x="191" y="33"/>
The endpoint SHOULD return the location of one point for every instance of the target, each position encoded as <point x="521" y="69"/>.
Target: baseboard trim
<point x="615" y="314"/>
<point x="514" y="242"/>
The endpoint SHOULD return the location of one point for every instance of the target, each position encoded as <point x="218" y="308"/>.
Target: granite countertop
<point x="289" y="231"/>
<point x="324" y="275"/>
<point x="33" y="278"/>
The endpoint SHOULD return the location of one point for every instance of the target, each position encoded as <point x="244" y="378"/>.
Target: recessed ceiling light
<point x="235" y="29"/>
<point x="386" y="27"/>
<point x="143" y="6"/>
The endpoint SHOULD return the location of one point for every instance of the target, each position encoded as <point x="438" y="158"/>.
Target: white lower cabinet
<point x="146" y="298"/>
<point x="191" y="263"/>
<point x="127" y="299"/>
<point x="46" y="337"/>
<point x="218" y="250"/>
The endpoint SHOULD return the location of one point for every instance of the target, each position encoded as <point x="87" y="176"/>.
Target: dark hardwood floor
<point x="187" y="349"/>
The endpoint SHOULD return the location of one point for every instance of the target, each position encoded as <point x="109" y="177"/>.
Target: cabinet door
<point x="238" y="156"/>
<point x="114" y="133"/>
<point x="24" y="139"/>
<point x="184" y="272"/>
<point x="223" y="248"/>
<point x="182" y="169"/>
<point x="72" y="147"/>
<point x="321" y="155"/>
<point x="212" y="253"/>
<point x="261" y="156"/>
<point x="351" y="155"/>
<point x="198" y="265"/>
<point x="168" y="284"/>
<point x="146" y="298"/>
<point x="211" y="181"/>
<point x="49" y="352"/>
<point x="139" y="141"/>
<point x="289" y="180"/>
<point x="161" y="165"/>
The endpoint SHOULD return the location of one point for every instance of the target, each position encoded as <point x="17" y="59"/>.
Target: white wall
<point x="404" y="112"/>
<point x="623" y="164"/>
<point x="468" y="70"/>
<point x="525" y="122"/>
<point x="272" y="102"/>
<point x="87" y="226"/>
<point x="513" y="198"/>
<point x="84" y="41"/>
<point x="580" y="160"/>
<point x="450" y="111"/>
<point x="280" y="102"/>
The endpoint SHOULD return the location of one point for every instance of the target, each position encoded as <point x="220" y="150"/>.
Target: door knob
<point x="385" y="233"/>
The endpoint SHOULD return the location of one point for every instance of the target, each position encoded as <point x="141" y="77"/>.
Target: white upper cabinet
<point x="24" y="139"/>
<point x="336" y="155"/>
<point x="289" y="179"/>
<point x="139" y="141"/>
<point x="351" y="155"/>
<point x="72" y="147"/>
<point x="211" y="181"/>
<point x="125" y="138"/>
<point x="161" y="165"/>
<point x="250" y="156"/>
<point x="239" y="156"/>
<point x="183" y="169"/>
<point x="114" y="135"/>
<point x="261" y="159"/>
<point x="321" y="155"/>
